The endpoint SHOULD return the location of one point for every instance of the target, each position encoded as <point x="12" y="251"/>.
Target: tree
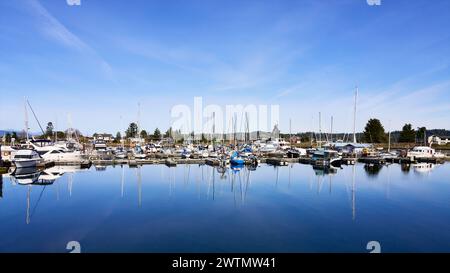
<point x="8" y="137"/>
<point x="49" y="129"/>
<point x="168" y="133"/>
<point x="118" y="137"/>
<point x="422" y="134"/>
<point x="374" y="132"/>
<point x="408" y="134"/>
<point x="157" y="134"/>
<point x="132" y="130"/>
<point x="14" y="135"/>
<point x="144" y="134"/>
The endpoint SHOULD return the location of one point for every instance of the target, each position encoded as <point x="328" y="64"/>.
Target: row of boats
<point x="34" y="152"/>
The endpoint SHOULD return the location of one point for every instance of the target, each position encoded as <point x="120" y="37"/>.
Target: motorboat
<point x="424" y="152"/>
<point x="100" y="145"/>
<point x="324" y="157"/>
<point x="120" y="153"/>
<point x="26" y="158"/>
<point x="58" y="154"/>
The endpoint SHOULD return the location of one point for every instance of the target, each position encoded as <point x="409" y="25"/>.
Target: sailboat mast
<point x="389" y="137"/>
<point x="290" y="131"/>
<point x="331" y="130"/>
<point x="26" y="118"/>
<point x="354" y="115"/>
<point x="320" y="129"/>
<point x="139" y="122"/>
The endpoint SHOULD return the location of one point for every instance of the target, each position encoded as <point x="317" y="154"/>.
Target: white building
<point x="438" y="140"/>
<point x="104" y="137"/>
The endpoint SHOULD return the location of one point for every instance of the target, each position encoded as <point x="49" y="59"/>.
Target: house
<point x="438" y="140"/>
<point x="295" y="139"/>
<point x="350" y="148"/>
<point x="104" y="137"/>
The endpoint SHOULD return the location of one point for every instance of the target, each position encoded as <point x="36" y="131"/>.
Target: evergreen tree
<point x="49" y="129"/>
<point x="157" y="134"/>
<point x="408" y="134"/>
<point x="374" y="132"/>
<point x="144" y="134"/>
<point x="132" y="130"/>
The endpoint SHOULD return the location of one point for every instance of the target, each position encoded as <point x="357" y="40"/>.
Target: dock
<point x="372" y="160"/>
<point x="277" y="161"/>
<point x="212" y="161"/>
<point x="170" y="163"/>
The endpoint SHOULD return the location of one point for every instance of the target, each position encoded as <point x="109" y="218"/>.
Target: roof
<point x="354" y="145"/>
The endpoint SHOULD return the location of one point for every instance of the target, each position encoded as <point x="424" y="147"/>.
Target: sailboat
<point x="236" y="159"/>
<point x="26" y="158"/>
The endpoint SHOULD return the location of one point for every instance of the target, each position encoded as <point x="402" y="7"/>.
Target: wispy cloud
<point x="54" y="29"/>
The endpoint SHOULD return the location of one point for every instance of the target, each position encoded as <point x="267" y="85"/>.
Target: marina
<point x="220" y="136"/>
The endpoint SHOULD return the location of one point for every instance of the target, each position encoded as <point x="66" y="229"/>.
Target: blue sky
<point x="96" y="61"/>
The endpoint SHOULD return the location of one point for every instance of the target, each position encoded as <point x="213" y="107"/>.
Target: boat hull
<point x="26" y="163"/>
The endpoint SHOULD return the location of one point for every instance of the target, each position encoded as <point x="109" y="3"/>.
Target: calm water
<point x="197" y="209"/>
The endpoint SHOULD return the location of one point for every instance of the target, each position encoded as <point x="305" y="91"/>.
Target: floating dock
<point x="277" y="161"/>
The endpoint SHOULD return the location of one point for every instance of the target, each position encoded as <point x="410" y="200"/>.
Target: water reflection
<point x="238" y="203"/>
<point x="1" y="186"/>
<point x="324" y="170"/>
<point x="405" y="168"/>
<point x="423" y="168"/>
<point x="372" y="170"/>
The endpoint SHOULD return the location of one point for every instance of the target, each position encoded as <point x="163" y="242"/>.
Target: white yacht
<point x="53" y="152"/>
<point x="424" y="152"/>
<point x="58" y="154"/>
<point x="26" y="158"/>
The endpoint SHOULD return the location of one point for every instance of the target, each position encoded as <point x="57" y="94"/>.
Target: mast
<point x="290" y="131"/>
<point x="389" y="137"/>
<point x="139" y="122"/>
<point x="213" y="129"/>
<point x="26" y="118"/>
<point x="247" y="129"/>
<point x="354" y="115"/>
<point x="331" y="130"/>
<point x="320" y="129"/>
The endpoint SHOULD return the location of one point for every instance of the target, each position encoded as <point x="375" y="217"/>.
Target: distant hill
<point x="5" y="131"/>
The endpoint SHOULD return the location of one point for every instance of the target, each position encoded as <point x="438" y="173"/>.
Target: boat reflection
<point x="324" y="170"/>
<point x="372" y="170"/>
<point x="423" y="168"/>
<point x="1" y="186"/>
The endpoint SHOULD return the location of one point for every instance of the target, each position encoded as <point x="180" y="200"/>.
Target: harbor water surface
<point x="195" y="208"/>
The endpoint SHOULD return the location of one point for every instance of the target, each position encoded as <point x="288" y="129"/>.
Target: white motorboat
<point x="26" y="158"/>
<point x="424" y="152"/>
<point x="57" y="154"/>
